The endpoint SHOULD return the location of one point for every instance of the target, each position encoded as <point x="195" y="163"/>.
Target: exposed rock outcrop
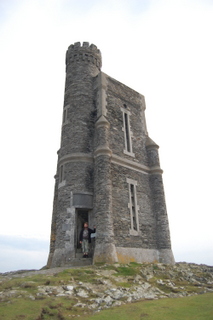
<point x="99" y="287"/>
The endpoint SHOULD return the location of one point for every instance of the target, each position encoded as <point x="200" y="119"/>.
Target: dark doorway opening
<point x="82" y="217"/>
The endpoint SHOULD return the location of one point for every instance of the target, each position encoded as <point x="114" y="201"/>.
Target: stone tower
<point x="108" y="171"/>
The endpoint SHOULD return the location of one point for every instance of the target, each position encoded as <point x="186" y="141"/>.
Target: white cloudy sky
<point x="160" y="48"/>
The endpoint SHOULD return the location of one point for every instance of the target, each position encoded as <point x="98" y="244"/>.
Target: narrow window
<point x="134" y="219"/>
<point x="65" y="114"/>
<point x="61" y="173"/>
<point x="127" y="137"/>
<point x="133" y="207"/>
<point x="127" y="132"/>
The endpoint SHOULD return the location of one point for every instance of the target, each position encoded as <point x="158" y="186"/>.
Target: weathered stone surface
<point x="108" y="170"/>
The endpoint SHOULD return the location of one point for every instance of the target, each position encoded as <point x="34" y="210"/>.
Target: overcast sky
<point x="162" y="49"/>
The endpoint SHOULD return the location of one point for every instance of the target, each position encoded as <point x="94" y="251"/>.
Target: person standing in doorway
<point x="85" y="239"/>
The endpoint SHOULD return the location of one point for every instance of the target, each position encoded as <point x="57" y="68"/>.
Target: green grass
<point x="126" y="271"/>
<point x="39" y="309"/>
<point x="198" y="307"/>
<point x="61" y="278"/>
<point x="84" y="275"/>
<point x="130" y="269"/>
<point x="123" y="284"/>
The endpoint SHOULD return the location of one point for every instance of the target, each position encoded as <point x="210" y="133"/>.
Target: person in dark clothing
<point x="85" y="238"/>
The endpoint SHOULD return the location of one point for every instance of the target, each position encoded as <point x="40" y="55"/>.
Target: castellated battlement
<point x="85" y="52"/>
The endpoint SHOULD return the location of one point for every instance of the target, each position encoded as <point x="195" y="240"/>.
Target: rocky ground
<point x="99" y="287"/>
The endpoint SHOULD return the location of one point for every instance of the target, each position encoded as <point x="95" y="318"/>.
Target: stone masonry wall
<point x="160" y="212"/>
<point x="120" y="96"/>
<point x="121" y="213"/>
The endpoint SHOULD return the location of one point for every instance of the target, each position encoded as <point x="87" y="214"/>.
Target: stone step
<point x="81" y="261"/>
<point x="79" y="255"/>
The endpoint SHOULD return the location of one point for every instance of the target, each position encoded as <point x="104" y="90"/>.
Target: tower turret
<point x="74" y="178"/>
<point x="89" y="54"/>
<point x="83" y="63"/>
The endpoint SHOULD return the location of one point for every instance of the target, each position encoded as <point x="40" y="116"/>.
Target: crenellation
<point x="86" y="52"/>
<point x="94" y="47"/>
<point x="76" y="45"/>
<point x="86" y="44"/>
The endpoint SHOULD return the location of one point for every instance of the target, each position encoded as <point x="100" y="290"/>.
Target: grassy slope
<point x="198" y="307"/>
<point x="19" y="305"/>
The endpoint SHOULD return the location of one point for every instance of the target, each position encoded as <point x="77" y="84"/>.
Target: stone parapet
<point x="85" y="52"/>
